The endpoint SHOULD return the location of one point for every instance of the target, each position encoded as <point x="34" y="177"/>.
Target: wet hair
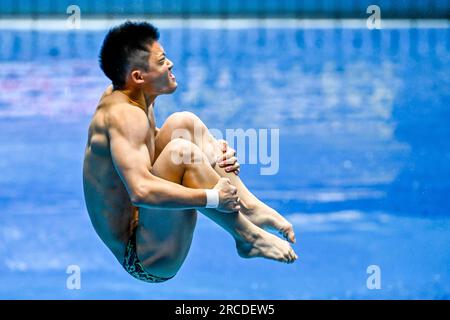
<point x="125" y="48"/>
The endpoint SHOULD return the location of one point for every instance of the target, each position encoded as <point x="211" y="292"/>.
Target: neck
<point x="138" y="98"/>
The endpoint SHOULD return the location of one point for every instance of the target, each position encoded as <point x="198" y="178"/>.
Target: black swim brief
<point x="134" y="267"/>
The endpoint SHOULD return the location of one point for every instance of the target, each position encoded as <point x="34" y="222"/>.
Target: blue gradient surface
<point x="364" y="161"/>
<point x="327" y="8"/>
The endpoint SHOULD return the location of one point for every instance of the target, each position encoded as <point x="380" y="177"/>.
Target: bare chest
<point x="151" y="145"/>
<point x="150" y="141"/>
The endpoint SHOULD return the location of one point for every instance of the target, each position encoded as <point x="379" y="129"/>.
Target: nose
<point x="170" y="63"/>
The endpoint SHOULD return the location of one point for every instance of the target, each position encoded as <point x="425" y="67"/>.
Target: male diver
<point x="143" y="185"/>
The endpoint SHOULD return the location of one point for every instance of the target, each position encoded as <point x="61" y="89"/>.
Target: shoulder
<point x="123" y="113"/>
<point x="126" y="120"/>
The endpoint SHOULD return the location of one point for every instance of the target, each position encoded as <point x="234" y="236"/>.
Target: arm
<point x="127" y="130"/>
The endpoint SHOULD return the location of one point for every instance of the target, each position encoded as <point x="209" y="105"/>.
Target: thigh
<point x="164" y="236"/>
<point x="164" y="136"/>
<point x="164" y="167"/>
<point x="163" y="239"/>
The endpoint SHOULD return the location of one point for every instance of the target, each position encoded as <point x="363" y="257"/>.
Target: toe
<point x="288" y="233"/>
<point x="293" y="255"/>
<point x="292" y="237"/>
<point x="289" y="257"/>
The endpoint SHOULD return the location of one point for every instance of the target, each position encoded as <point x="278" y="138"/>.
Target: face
<point x="158" y="79"/>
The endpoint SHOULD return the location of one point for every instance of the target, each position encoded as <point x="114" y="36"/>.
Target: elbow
<point x="138" y="196"/>
<point x="142" y="196"/>
<point x="135" y="199"/>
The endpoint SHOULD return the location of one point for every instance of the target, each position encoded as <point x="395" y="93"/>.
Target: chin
<point x="172" y="88"/>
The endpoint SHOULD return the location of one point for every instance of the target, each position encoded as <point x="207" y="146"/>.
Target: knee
<point x="179" y="144"/>
<point x="184" y="120"/>
<point x="183" y="151"/>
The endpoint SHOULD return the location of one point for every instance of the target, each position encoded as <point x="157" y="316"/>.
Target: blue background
<point x="364" y="160"/>
<point x="306" y="8"/>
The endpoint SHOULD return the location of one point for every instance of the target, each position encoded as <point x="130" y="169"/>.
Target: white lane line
<point x="231" y="23"/>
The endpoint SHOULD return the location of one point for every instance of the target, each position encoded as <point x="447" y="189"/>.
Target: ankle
<point x="248" y="236"/>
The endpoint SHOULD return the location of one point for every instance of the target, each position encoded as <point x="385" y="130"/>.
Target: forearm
<point x="163" y="194"/>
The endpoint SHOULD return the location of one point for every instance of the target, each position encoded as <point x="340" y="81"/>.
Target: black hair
<point x="125" y="47"/>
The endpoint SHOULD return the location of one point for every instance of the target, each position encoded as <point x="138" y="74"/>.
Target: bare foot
<point x="266" y="245"/>
<point x="265" y="217"/>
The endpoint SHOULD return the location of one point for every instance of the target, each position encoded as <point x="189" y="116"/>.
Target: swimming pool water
<point x="363" y="174"/>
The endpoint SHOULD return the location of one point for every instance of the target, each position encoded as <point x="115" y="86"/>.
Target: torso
<point x="108" y="203"/>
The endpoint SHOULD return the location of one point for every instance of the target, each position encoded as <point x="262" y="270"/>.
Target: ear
<point x="136" y="77"/>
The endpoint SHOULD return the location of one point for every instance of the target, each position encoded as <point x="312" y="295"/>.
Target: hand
<point x="228" y="198"/>
<point x="228" y="159"/>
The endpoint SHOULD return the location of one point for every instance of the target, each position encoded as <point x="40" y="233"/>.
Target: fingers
<point x="223" y="144"/>
<point x="227" y="158"/>
<point x="236" y="203"/>
<point x="231" y="165"/>
<point x="233" y="203"/>
<point x="227" y="151"/>
<point x="233" y="168"/>
<point x="228" y="161"/>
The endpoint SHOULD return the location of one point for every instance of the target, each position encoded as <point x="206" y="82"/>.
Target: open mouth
<point x="171" y="76"/>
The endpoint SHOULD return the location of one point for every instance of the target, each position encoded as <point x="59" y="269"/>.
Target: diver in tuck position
<point x="143" y="185"/>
